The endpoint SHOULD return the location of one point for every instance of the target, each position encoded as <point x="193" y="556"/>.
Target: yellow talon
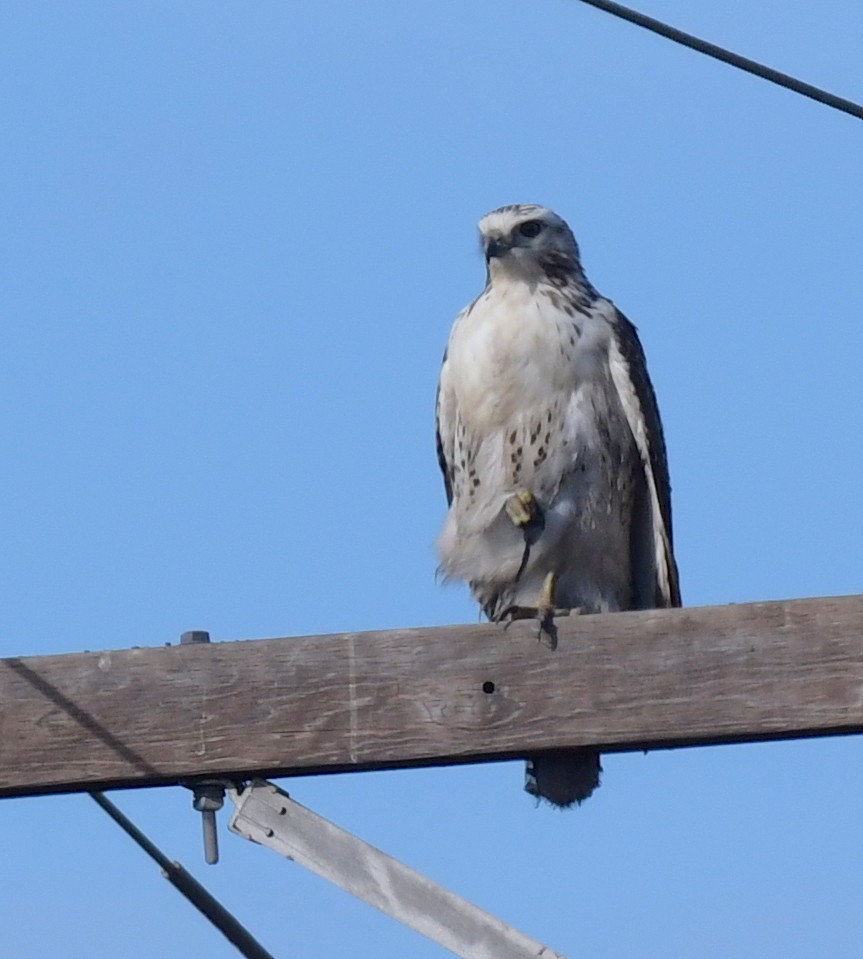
<point x="546" y="597"/>
<point x="546" y="611"/>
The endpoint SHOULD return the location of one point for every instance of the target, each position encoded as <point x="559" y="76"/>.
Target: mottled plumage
<point x="544" y="395"/>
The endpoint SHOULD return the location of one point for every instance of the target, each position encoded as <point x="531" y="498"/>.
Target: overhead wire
<point x="185" y="883"/>
<point x="727" y="56"/>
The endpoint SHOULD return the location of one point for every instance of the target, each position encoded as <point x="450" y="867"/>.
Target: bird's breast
<point x="513" y="350"/>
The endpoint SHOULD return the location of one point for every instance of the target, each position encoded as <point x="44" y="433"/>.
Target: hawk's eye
<point x="531" y="229"/>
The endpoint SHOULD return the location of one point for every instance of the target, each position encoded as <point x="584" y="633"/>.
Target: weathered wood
<point x="430" y="696"/>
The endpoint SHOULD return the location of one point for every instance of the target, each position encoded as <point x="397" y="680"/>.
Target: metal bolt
<point x="208" y="798"/>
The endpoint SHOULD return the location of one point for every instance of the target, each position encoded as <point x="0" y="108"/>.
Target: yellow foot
<point x="546" y="595"/>
<point x="545" y="612"/>
<point x="523" y="509"/>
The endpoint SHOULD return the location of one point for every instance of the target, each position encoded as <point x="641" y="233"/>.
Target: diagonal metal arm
<point x="268" y="816"/>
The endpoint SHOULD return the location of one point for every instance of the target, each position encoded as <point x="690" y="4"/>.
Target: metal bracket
<point x="267" y="815"/>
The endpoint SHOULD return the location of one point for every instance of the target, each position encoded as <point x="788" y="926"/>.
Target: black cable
<point x="185" y="883"/>
<point x="726" y="56"/>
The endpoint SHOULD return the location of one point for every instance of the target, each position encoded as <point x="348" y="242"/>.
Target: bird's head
<point x="527" y="241"/>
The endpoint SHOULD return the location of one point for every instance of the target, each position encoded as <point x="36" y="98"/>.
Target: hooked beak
<point x="496" y="247"/>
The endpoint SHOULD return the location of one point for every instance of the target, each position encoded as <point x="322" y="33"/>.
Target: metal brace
<point x="266" y="815"/>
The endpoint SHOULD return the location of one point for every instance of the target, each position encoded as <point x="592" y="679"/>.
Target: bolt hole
<point x="488" y="686"/>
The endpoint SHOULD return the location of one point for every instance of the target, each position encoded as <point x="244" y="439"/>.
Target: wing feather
<point x="629" y="373"/>
<point x="444" y="429"/>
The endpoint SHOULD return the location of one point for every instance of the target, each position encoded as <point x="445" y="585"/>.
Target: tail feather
<point x="564" y="776"/>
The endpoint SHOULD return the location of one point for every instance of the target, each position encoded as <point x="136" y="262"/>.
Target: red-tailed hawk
<point x="552" y="451"/>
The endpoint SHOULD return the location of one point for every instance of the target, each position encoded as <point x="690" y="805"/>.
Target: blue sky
<point x="234" y="240"/>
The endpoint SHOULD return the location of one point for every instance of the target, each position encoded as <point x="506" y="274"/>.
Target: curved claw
<point x="545" y="612"/>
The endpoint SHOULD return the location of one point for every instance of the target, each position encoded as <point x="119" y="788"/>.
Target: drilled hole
<point x="488" y="686"/>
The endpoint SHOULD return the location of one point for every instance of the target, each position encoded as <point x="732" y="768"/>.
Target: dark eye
<point x="531" y="229"/>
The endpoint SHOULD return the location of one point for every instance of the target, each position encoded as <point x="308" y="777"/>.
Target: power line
<point x="726" y="56"/>
<point x="185" y="883"/>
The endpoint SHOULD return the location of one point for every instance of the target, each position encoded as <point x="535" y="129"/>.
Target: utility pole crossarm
<point x="411" y="697"/>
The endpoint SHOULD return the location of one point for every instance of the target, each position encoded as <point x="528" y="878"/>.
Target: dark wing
<point x="443" y="431"/>
<point x="629" y="372"/>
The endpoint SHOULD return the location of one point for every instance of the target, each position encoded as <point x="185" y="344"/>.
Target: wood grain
<point x="411" y="697"/>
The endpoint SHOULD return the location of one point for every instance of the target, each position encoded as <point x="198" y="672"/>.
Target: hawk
<point x="552" y="452"/>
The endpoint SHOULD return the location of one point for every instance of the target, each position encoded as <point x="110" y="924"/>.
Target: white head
<point x="528" y="242"/>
